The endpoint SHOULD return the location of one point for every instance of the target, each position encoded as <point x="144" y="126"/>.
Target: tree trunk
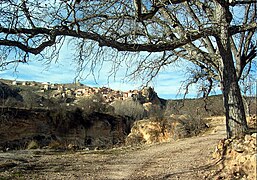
<point x="236" y="124"/>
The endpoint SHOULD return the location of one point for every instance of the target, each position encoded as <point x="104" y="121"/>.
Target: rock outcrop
<point x="238" y="158"/>
<point x="104" y="130"/>
<point x="153" y="105"/>
<point x="155" y="130"/>
<point x="252" y="121"/>
<point x="59" y="129"/>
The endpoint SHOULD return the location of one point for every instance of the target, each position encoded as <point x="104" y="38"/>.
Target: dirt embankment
<point x="189" y="158"/>
<point x="59" y="128"/>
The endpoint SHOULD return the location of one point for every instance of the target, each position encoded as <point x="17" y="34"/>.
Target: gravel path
<point x="188" y="158"/>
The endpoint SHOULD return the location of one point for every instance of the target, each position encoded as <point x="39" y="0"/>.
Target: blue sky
<point x="167" y="84"/>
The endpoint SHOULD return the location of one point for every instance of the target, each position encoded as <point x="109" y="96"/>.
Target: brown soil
<point x="189" y="158"/>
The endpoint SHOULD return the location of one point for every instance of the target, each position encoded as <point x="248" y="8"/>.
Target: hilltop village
<point x="78" y="90"/>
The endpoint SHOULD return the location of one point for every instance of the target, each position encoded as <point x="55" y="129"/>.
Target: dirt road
<point x="183" y="159"/>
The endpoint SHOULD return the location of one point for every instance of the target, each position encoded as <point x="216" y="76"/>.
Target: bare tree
<point x="212" y="34"/>
<point x="130" y="108"/>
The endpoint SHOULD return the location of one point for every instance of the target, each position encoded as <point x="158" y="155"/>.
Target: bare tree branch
<point x="237" y="2"/>
<point x="221" y="43"/>
<point x="102" y="40"/>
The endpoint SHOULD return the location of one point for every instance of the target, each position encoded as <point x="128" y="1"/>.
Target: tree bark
<point x="236" y="124"/>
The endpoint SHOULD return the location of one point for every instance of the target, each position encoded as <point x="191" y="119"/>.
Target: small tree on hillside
<point x="30" y="99"/>
<point x="209" y="33"/>
<point x="130" y="108"/>
<point x="93" y="103"/>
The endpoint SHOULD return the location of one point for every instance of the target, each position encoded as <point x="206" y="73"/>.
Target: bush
<point x="193" y="125"/>
<point x="212" y="106"/>
<point x="54" y="144"/>
<point x="129" y="108"/>
<point x="94" y="103"/>
<point x="12" y="102"/>
<point x="32" y="145"/>
<point x="154" y="110"/>
<point x="30" y="99"/>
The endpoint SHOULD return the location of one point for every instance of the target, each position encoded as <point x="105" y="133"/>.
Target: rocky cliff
<point x="59" y="128"/>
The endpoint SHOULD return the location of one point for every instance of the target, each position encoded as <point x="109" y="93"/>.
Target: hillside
<point x="31" y="94"/>
<point x="44" y="94"/>
<point x="212" y="106"/>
